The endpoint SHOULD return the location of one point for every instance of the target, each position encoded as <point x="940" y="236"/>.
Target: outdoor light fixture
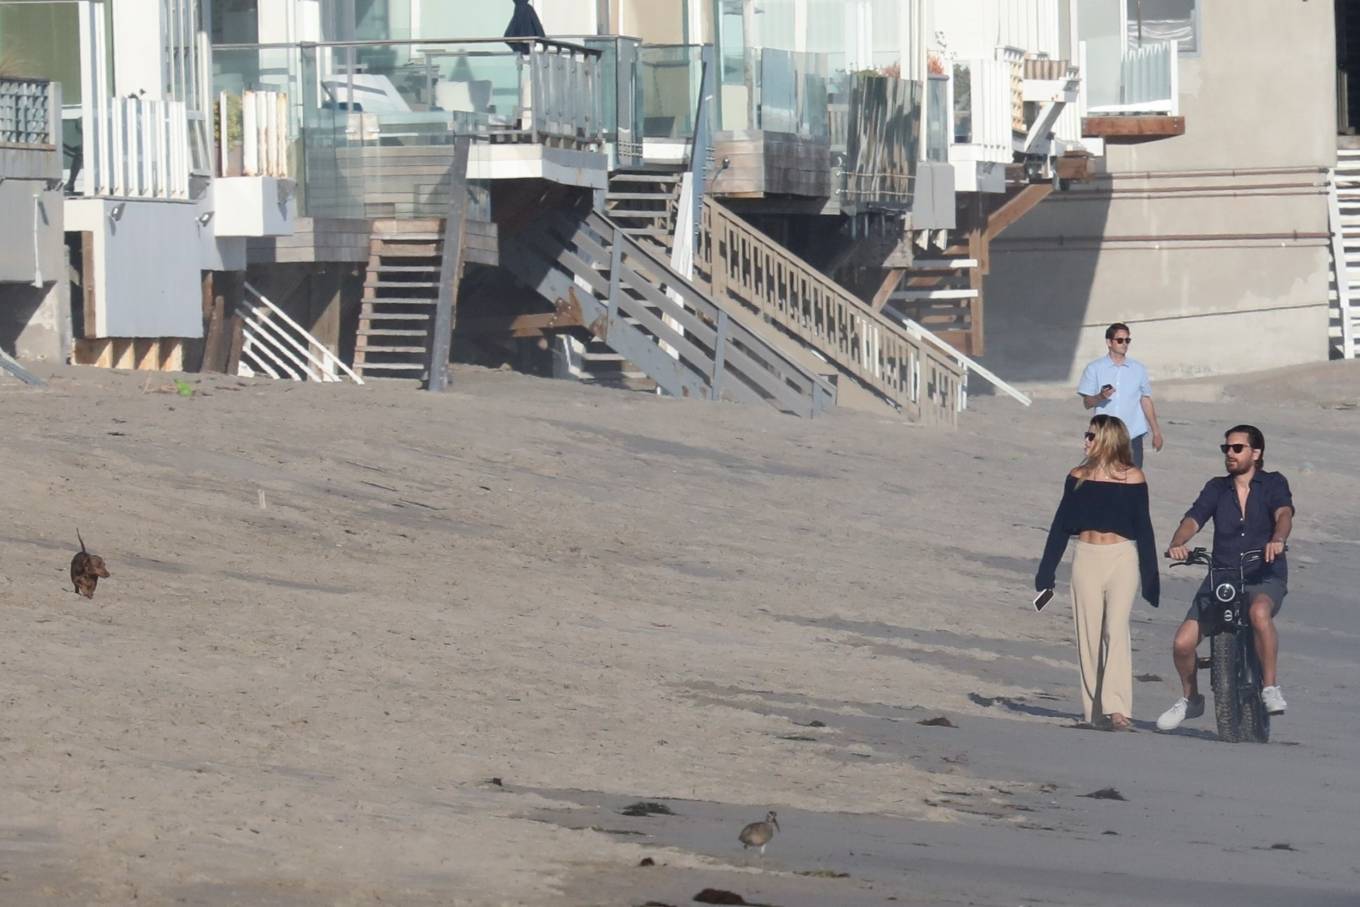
<point x="116" y="212"/>
<point x="204" y="218"/>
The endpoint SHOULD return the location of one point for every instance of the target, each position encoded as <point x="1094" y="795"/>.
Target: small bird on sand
<point x="758" y="834"/>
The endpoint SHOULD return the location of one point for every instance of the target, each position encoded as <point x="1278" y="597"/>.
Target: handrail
<point x="328" y="362"/>
<point x="972" y="364"/>
<point x="397" y="42"/>
<point x="885" y="356"/>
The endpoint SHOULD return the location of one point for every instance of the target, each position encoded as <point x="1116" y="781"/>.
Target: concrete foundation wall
<point x="35" y="322"/>
<point x="1212" y="246"/>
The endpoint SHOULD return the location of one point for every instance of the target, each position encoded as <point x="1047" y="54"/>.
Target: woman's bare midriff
<point x="1092" y="537"/>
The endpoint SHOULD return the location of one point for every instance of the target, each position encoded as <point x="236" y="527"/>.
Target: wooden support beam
<point x="979" y="249"/>
<point x="450" y="268"/>
<point x="536" y="324"/>
<point x="325" y="298"/>
<point x="216" y="342"/>
<point x="1131" y="128"/>
<point x="1016" y="206"/>
<point x="233" y="292"/>
<point x="146" y="355"/>
<point x="124" y="354"/>
<point x="892" y="278"/>
<point x="172" y="354"/>
<point x="87" y="285"/>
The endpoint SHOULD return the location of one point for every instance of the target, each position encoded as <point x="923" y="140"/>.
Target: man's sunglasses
<point x="1121" y="340"/>
<point x="1235" y="448"/>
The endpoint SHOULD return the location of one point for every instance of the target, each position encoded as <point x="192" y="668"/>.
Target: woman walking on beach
<point x="1105" y="505"/>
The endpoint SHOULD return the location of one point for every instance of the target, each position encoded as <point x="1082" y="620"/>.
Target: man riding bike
<point x="1251" y="509"/>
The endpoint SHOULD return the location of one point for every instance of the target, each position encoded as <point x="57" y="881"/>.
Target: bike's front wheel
<point x="1224" y="671"/>
<point x="1236" y="680"/>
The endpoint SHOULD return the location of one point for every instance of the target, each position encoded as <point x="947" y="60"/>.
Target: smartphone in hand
<point x="1042" y="599"/>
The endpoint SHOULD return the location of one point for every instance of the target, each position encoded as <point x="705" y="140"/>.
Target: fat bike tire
<point x="1255" y="720"/>
<point x="1223" y="677"/>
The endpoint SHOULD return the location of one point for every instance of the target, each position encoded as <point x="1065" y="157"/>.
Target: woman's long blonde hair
<point x="1111" y="450"/>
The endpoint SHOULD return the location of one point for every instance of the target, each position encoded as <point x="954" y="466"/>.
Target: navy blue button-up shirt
<point x="1235" y="532"/>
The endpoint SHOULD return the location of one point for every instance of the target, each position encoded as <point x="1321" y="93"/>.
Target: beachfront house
<point x="1220" y="247"/>
<point x="784" y="201"/>
<point x="136" y="191"/>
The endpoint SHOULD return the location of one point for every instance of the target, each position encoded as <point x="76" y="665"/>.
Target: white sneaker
<point x="1273" y="700"/>
<point x="1183" y="709"/>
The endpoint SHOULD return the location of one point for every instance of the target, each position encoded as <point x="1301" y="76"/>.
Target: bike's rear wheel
<point x="1255" y="726"/>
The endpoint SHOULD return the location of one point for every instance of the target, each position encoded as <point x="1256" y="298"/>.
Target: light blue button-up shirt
<point x="1130" y="380"/>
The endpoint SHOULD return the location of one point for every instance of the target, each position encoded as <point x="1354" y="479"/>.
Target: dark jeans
<point x="1138" y="451"/>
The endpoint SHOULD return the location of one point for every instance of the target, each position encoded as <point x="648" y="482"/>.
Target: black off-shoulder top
<point x="1103" y="507"/>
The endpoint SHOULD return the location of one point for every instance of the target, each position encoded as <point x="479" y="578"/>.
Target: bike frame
<point x="1228" y="591"/>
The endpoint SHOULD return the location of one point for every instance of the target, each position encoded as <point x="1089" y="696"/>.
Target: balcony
<point x="369" y="125"/>
<point x="1144" y="103"/>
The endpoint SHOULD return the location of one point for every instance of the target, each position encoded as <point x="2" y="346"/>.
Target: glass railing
<point x="669" y="77"/>
<point x="791" y="93"/>
<point x="882" y="142"/>
<point x="620" y="94"/>
<point x="371" y="124"/>
<point x="937" y="119"/>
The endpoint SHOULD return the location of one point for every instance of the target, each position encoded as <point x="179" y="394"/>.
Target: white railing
<point x="260" y="133"/>
<point x="136" y="148"/>
<point x="1034" y="26"/>
<point x="277" y="346"/>
<point x="564" y="98"/>
<point x="989" y="107"/>
<point x="1069" y="122"/>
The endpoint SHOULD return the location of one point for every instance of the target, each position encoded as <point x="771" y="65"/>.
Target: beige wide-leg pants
<point x="1104" y="583"/>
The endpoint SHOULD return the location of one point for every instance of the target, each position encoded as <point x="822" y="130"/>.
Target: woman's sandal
<point x="1120" y="722"/>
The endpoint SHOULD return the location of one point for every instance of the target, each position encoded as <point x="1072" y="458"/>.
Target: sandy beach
<point x="369" y="645"/>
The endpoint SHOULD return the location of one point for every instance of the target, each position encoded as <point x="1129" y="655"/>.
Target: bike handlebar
<point x="1201" y="557"/>
<point x="1197" y="556"/>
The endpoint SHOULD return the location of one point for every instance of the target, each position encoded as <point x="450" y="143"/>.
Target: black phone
<point x="1042" y="599"/>
<point x="1106" y="387"/>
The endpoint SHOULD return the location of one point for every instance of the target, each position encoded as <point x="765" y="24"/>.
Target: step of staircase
<point x="401" y="290"/>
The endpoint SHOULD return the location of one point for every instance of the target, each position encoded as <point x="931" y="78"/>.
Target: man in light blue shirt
<point x="1116" y="385"/>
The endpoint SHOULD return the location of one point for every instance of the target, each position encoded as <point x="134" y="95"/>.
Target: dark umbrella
<point x="523" y="24"/>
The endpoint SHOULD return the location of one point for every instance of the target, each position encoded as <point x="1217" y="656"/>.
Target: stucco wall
<point x="31" y="212"/>
<point x="1212" y="246"/>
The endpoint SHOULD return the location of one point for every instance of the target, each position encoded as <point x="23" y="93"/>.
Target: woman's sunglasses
<point x="1235" y="448"/>
<point x="1090" y="436"/>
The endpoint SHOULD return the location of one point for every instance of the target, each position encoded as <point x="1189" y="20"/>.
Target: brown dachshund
<point x="86" y="570"/>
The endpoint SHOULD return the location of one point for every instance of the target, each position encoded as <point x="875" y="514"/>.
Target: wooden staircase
<point x="883" y="352"/>
<point x="401" y="292"/>
<point x="642" y="202"/>
<point x="629" y="298"/>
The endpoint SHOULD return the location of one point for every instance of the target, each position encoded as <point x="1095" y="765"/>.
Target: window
<point x="1154" y="21"/>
